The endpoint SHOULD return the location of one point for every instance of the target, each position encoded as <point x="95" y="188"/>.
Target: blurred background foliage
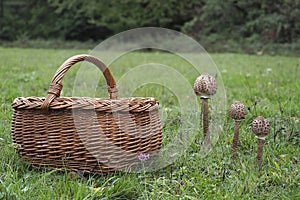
<point x="251" y="24"/>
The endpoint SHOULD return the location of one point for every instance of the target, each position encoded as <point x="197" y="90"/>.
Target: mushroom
<point x="261" y="128"/>
<point x="205" y="86"/>
<point x="237" y="113"/>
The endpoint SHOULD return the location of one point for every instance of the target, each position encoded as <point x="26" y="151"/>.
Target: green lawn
<point x="267" y="85"/>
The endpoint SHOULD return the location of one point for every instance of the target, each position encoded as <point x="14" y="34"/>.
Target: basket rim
<point x="132" y="104"/>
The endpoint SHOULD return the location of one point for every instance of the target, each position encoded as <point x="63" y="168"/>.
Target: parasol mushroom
<point x="261" y="128"/>
<point x="237" y="113"/>
<point x="205" y="86"/>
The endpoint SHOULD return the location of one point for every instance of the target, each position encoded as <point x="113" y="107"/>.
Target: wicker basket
<point x="94" y="135"/>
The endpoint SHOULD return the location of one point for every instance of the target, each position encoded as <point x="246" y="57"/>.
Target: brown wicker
<point x="89" y="134"/>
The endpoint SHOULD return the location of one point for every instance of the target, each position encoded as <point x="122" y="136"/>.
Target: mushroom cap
<point x="237" y="111"/>
<point x="205" y="85"/>
<point x="260" y="126"/>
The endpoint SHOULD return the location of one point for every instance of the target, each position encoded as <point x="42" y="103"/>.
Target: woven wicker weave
<point x="89" y="134"/>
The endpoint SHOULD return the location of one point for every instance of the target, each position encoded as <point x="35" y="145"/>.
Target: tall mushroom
<point x="237" y="113"/>
<point x="261" y="128"/>
<point x="205" y="86"/>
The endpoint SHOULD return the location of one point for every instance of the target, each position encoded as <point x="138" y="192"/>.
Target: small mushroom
<point x="261" y="128"/>
<point x="205" y="86"/>
<point x="237" y="113"/>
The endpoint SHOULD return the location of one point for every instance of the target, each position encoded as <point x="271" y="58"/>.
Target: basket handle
<point x="56" y="83"/>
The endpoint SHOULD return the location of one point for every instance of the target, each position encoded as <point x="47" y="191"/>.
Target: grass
<point x="211" y="44"/>
<point x="267" y="85"/>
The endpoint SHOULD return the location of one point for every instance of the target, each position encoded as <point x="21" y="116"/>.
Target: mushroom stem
<point x="205" y="120"/>
<point x="235" y="138"/>
<point x="260" y="150"/>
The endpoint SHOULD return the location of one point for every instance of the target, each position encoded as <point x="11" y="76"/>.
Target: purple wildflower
<point x="143" y="157"/>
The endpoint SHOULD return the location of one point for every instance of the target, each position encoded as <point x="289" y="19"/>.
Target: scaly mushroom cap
<point x="260" y="126"/>
<point x="237" y="111"/>
<point x="205" y="85"/>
